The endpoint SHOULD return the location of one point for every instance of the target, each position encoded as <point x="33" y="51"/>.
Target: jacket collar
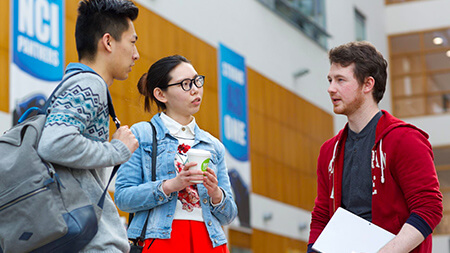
<point x="162" y="131"/>
<point x="76" y="66"/>
<point x="176" y="129"/>
<point x="388" y="122"/>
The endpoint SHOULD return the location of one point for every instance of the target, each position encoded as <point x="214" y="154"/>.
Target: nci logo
<point x="38" y="37"/>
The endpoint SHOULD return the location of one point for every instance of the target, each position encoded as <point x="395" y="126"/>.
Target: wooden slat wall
<point x="240" y="239"/>
<point x="263" y="242"/>
<point x="71" y="17"/>
<point x="4" y="56"/>
<point x="286" y="131"/>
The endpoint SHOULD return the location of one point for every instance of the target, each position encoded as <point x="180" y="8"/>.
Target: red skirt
<point x="187" y="236"/>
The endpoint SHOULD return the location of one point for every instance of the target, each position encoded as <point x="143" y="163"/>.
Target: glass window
<point x="307" y="15"/>
<point x="438" y="103"/>
<point x="407" y="85"/>
<point x="442" y="163"/>
<point x="407" y="107"/>
<point x="439" y="82"/>
<point x="420" y="73"/>
<point x="437" y="39"/>
<point x="406" y="64"/>
<point x="437" y="61"/>
<point x="360" y="26"/>
<point x="405" y="43"/>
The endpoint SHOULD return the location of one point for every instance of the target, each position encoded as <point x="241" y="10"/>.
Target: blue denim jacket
<point x="136" y="193"/>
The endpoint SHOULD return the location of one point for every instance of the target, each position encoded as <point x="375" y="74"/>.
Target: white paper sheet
<point x="349" y="233"/>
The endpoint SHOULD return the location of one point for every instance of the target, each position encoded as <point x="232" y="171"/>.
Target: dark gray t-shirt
<point x="357" y="173"/>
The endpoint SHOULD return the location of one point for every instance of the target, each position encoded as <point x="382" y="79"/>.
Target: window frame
<point x="308" y="25"/>
<point x="421" y="74"/>
<point x="388" y="2"/>
<point x="360" y="18"/>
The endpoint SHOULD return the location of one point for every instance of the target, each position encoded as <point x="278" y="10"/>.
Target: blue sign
<point x="38" y="44"/>
<point x="233" y="103"/>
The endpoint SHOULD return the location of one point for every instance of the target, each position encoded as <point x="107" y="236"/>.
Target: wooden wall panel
<point x="256" y="97"/>
<point x="257" y="129"/>
<point x="71" y="12"/>
<point x="70" y="54"/>
<point x="4" y="83"/>
<point x="4" y="56"/>
<point x="260" y="168"/>
<point x="239" y="239"/>
<point x="263" y="242"/>
<point x="288" y="132"/>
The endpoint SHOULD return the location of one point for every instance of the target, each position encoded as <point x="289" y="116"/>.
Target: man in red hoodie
<point x="378" y="167"/>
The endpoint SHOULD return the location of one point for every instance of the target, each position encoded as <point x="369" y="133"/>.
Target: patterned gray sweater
<point x="76" y="135"/>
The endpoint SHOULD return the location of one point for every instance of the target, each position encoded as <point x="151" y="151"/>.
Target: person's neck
<point x="183" y="120"/>
<point x="360" y="118"/>
<point x="99" y="68"/>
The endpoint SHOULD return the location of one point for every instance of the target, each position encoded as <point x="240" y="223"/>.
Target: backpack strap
<point x="44" y="108"/>
<point x="154" y="152"/>
<point x="111" y="110"/>
<point x="49" y="100"/>
<point x="116" y="168"/>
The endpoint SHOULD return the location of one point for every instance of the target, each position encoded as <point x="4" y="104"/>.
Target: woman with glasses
<point x="178" y="214"/>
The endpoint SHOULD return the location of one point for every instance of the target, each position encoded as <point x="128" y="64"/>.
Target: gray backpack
<point x="42" y="209"/>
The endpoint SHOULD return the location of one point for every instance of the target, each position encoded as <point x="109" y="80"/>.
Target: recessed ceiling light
<point x="447" y="53"/>
<point x="438" y="40"/>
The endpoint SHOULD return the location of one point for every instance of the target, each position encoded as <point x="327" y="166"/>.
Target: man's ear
<point x="369" y="84"/>
<point x="159" y="95"/>
<point x="106" y="42"/>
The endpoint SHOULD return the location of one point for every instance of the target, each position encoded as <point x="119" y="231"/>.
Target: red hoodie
<point x="404" y="179"/>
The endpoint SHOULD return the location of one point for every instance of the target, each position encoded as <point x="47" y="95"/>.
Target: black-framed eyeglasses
<point x="186" y="84"/>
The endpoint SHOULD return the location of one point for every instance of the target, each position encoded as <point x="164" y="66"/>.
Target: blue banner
<point x="233" y="117"/>
<point x="38" y="38"/>
<point x="233" y="103"/>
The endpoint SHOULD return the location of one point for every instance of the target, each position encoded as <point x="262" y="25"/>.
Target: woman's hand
<point x="183" y="179"/>
<point x="211" y="184"/>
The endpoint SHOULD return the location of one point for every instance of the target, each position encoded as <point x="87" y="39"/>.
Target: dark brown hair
<point x="368" y="62"/>
<point x="158" y="76"/>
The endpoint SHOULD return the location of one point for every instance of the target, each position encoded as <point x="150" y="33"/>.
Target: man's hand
<point x="125" y="135"/>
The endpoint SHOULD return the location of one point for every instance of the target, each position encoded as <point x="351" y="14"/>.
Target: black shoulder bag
<point x="135" y="243"/>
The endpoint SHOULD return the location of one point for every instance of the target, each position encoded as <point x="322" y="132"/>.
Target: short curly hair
<point x="368" y="62"/>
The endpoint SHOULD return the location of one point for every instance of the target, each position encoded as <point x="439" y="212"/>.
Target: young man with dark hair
<point x="76" y="133"/>
<point x="378" y="167"/>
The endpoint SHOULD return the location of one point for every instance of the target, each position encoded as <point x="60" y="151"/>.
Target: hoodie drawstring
<point x="382" y="161"/>
<point x="331" y="169"/>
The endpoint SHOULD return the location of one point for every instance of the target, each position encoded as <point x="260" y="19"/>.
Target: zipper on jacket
<point x="23" y="197"/>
